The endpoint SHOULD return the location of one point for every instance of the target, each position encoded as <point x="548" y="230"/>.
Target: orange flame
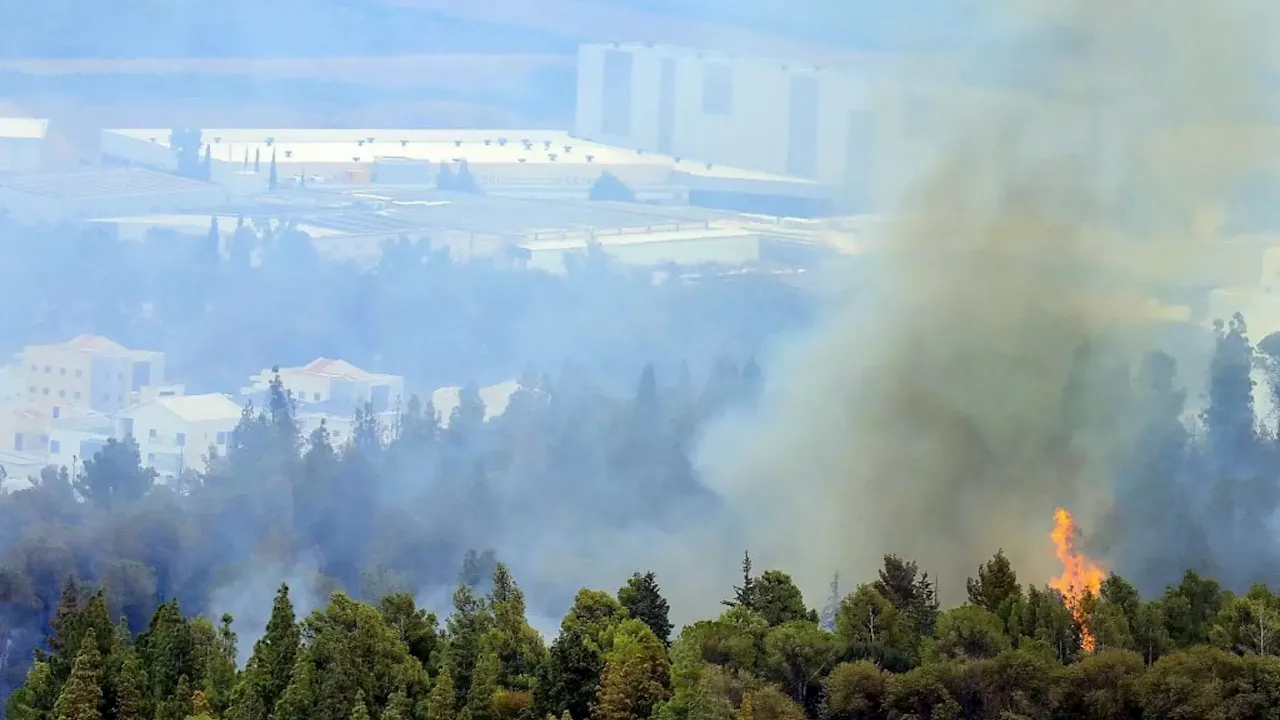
<point x="1080" y="575"/>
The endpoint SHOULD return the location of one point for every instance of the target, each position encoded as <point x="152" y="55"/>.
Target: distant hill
<point x="344" y="28"/>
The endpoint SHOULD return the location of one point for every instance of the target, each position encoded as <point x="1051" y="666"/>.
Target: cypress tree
<point x="272" y="178"/>
<point x="81" y="697"/>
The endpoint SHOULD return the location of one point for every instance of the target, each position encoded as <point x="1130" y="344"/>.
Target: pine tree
<point x="643" y="599"/>
<point x="127" y="701"/>
<point x="442" y="700"/>
<point x="275" y="654"/>
<point x="81" y="697"/>
<point x="397" y="707"/>
<point x="360" y="711"/>
<point x="744" y="594"/>
<point x="827" y="619"/>
<point x="484" y="683"/>
<point x="298" y="699"/>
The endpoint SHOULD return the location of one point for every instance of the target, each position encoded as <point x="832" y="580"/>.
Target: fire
<point x="1080" y="574"/>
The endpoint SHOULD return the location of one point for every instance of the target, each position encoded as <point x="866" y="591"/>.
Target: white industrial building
<point x="833" y="125"/>
<point x="56" y="196"/>
<point x="22" y="143"/>
<point x="536" y="164"/>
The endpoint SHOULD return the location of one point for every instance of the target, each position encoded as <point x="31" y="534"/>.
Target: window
<point x="182" y="439"/>
<point x="17" y="442"/>
<point x="76" y="395"/>
<point x="717" y="90"/>
<point x="151" y="433"/>
<point x="32" y="389"/>
<point x="44" y="391"/>
<point x="62" y="393"/>
<point x="62" y="372"/>
<point x="315" y="397"/>
<point x="57" y="412"/>
<point x="55" y="447"/>
<point x="79" y="373"/>
<point x="222" y="438"/>
<point x="48" y="369"/>
<point x="33" y="368"/>
<point x="151" y="458"/>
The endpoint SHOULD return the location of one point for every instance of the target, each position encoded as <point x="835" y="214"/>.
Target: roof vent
<point x="487" y="142"/>
<point x="360" y="143"/>
<point x="457" y="143"/>
<point x="355" y="158"/>
<point x="546" y="144"/>
<point x="288" y="153"/>
<point x="591" y="158"/>
<point x="520" y="160"/>
<point x="404" y="143"/>
<point x="552" y="156"/>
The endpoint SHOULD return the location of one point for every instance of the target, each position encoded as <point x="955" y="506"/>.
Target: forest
<point x="884" y="650"/>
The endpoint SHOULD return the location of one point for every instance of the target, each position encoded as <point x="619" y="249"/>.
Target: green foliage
<point x="643" y="600"/>
<point x="81" y="697"/>
<point x="353" y="661"/>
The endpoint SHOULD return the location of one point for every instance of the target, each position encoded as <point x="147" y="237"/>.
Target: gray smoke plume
<point x="933" y="416"/>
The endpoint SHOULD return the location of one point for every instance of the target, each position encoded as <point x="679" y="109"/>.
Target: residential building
<point x="174" y="433"/>
<point x="495" y="399"/>
<point x="88" y="371"/>
<point x="18" y="469"/>
<point x="24" y="430"/>
<point x="336" y="382"/>
<point x="77" y="437"/>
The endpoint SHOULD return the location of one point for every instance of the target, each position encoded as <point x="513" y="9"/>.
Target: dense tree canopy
<point x="391" y="661"/>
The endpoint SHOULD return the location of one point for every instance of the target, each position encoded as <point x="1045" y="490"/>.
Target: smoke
<point x="932" y="416"/>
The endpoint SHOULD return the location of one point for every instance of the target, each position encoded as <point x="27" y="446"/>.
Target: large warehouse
<point x="519" y="163"/>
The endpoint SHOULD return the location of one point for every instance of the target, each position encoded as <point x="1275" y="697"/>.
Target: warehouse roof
<point x="99" y="183"/>
<point x="547" y="148"/>
<point x="22" y="128"/>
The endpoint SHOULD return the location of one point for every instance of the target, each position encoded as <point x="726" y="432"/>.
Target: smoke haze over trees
<point x="976" y="379"/>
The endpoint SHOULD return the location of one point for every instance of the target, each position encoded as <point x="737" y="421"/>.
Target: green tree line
<point x="883" y="651"/>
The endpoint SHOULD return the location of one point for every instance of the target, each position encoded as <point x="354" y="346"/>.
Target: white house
<point x="335" y="382"/>
<point x="175" y="433"/>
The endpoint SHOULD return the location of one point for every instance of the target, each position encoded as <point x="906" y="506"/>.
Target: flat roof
<point x="657" y="235"/>
<point x="99" y="183"/>
<point x="296" y="147"/>
<point x="200" y="408"/>
<point x="22" y="128"/>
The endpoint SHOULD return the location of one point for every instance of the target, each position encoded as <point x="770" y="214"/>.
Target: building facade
<point x="336" y="383"/>
<point x="832" y="125"/>
<point x="174" y="433"/>
<point x="88" y="371"/>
